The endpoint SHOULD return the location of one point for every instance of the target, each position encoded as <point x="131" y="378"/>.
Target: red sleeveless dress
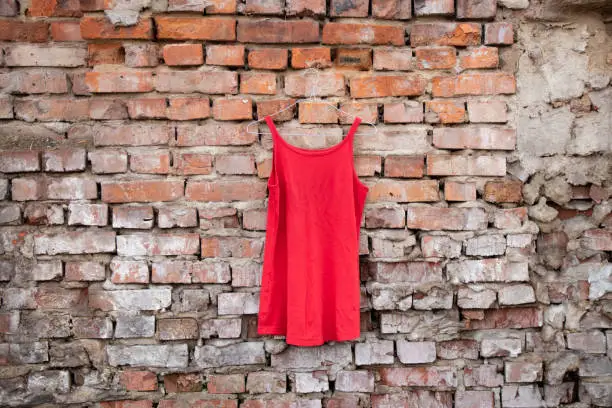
<point x="310" y="289"/>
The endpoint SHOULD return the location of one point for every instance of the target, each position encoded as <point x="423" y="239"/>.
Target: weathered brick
<point x="259" y="382"/>
<point x="232" y="109"/>
<point x="111" y="82"/>
<point x="470" y="398"/>
<point x="146" y="108"/>
<point x="188" y="108"/>
<point x="183" y="54"/>
<point x="105" y="53"/>
<point x="593" y="342"/>
<point x="403" y="112"/>
<point x="479" y="57"/>
<point x="9" y="8"/>
<point x="439" y="111"/>
<point x="317" y="112"/>
<point x="171" y="217"/>
<point x="261" y="83"/>
<point x="228" y="328"/>
<point x="369" y="86"/>
<point x="456" y="191"/>
<point x="27" y="31"/>
<point x="230" y="55"/>
<point x="278" y="31"/>
<point x="43" y="214"/>
<point x="235" y="164"/>
<point x="44" y="271"/>
<point x="406" y="399"/>
<point x="328" y="84"/>
<point x="435" y="57"/>
<point x="435" y="218"/>
<point x="454" y="165"/>
<point x="268" y="58"/>
<point x="209" y="82"/>
<point x="138" y="217"/>
<point x="486" y="245"/>
<point x="264" y="7"/>
<point x="177" y="329"/>
<point x="102" y="108"/>
<point x="35" y="55"/>
<point x="141" y="55"/>
<point x="487" y="111"/>
<point x="182" y="382"/>
<point x="476" y="8"/>
<point x="305" y="7"/>
<point x="134" y="380"/>
<point x="354" y="58"/>
<point x="403" y="191"/>
<point x="211" y="7"/>
<point x="597" y="240"/>
<point x="150" y="161"/>
<point x="97" y="28"/>
<point x="193" y="163"/>
<point x="226" y="384"/>
<point x="216" y="403"/>
<point x="134" y="326"/>
<point x="319" y="57"/>
<point x="231" y="246"/>
<point x="404" y="166"/>
<point x="75" y="242"/>
<point x="429" y="376"/>
<point x="214" y="134"/>
<point x="142" y="191"/>
<point x="19" y="161"/>
<point x="454" y="349"/>
<point x="485" y="375"/>
<point x="84" y="271"/>
<point x="354" y="33"/>
<point x="130" y="300"/>
<point x="87" y="214"/>
<point x="494" y="83"/>
<point x="92" y="327"/>
<point x="415" y="352"/>
<point x="393" y="59"/>
<point x="10" y="214"/>
<point x="374" y="352"/>
<point x="160" y="244"/>
<point x="506" y="191"/>
<point x="69" y="188"/>
<point x="244" y="353"/>
<point x="446" y="33"/>
<point x="227" y="190"/>
<point x="66" y="31"/>
<point x="508" y="318"/>
<point x="126" y="271"/>
<point x="34" y="81"/>
<point x="355" y="381"/>
<point x="433" y="7"/>
<point x="195" y="28"/>
<point x="64" y="160"/>
<point x="501" y="33"/>
<point x="487" y="270"/>
<point x="149" y="355"/>
<point x="187" y="272"/>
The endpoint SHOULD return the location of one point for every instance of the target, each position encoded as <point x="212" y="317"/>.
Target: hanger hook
<point x="314" y="86"/>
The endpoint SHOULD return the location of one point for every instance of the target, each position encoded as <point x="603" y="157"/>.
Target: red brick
<point x="305" y="7"/>
<point x="210" y="7"/>
<point x="195" y="28"/>
<point x="84" y="271"/>
<point x="487" y="111"/>
<point x="105" y="53"/>
<point x="326" y="84"/>
<point x="457" y="191"/>
<point x="193" y="163"/>
<point x="278" y="31"/>
<point x="141" y="191"/>
<point x="446" y="33"/>
<point x="319" y="57"/>
<point x="404" y="166"/>
<point x="236" y="247"/>
<point x="232" y="109"/>
<point x="18" y="161"/>
<point x="393" y="59"/>
<point x="452" y="219"/>
<point x="474" y="138"/>
<point x="505" y="191"/>
<point x="170" y="217"/>
<point x="126" y="271"/>
<point x="54" y="8"/>
<point x="268" y="58"/>
<point x="108" y="161"/>
<point x="434" y="7"/>
<point x="64" y="159"/>
<point x="367" y="111"/>
<point x="134" y="380"/>
<point x="476" y="8"/>
<point x="235" y="164"/>
<point x="9" y="8"/>
<point x="403" y="191"/>
<point x="214" y="134"/>
<point x="227" y="190"/>
<point x="392" y="9"/>
<point x="127" y="404"/>
<point x="264" y="7"/>
<point x="135" y="81"/>
<point x="271" y="106"/>
<point x="368" y="165"/>
<point x="316" y="112"/>
<point x="454" y="165"/>
<point x="66" y="31"/>
<point x="509" y="318"/>
<point x="25" y="31"/>
<point x="132" y="135"/>
<point x="474" y="84"/>
<point x="141" y="55"/>
<point x="444" y="112"/>
<point x="136" y="217"/>
<point x="188" y="108"/>
<point x="428" y="376"/>
<point x="181" y="382"/>
<point x="230" y="55"/>
<point x="597" y="240"/>
<point x="150" y="161"/>
<point x="146" y="108"/>
<point x="480" y="57"/>
<point x="262" y="83"/>
<point x="436" y="57"/>
<point x="353" y="33"/>
<point x="403" y="112"/>
<point x="354" y="58"/>
<point x="183" y="54"/>
<point x="499" y="33"/>
<point x="340" y="8"/>
<point x="387" y="85"/>
<point x="100" y="28"/>
<point x="208" y="82"/>
<point x="226" y="384"/>
<point x="35" y="81"/>
<point x="180" y="329"/>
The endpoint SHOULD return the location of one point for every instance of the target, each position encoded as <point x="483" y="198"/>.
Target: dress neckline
<point x="302" y="150"/>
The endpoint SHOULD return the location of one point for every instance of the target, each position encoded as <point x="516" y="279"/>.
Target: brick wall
<point x="133" y="210"/>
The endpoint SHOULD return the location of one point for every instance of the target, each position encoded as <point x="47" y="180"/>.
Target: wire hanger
<point x="311" y="98"/>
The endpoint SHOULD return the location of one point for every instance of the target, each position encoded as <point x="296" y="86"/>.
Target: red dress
<point x="310" y="287"/>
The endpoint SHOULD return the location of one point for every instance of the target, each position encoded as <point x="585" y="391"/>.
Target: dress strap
<point x="354" y="127"/>
<point x="273" y="179"/>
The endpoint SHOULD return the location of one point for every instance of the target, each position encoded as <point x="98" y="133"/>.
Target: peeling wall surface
<point x="133" y="200"/>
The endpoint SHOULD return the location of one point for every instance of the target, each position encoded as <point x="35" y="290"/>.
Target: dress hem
<point x="301" y="341"/>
